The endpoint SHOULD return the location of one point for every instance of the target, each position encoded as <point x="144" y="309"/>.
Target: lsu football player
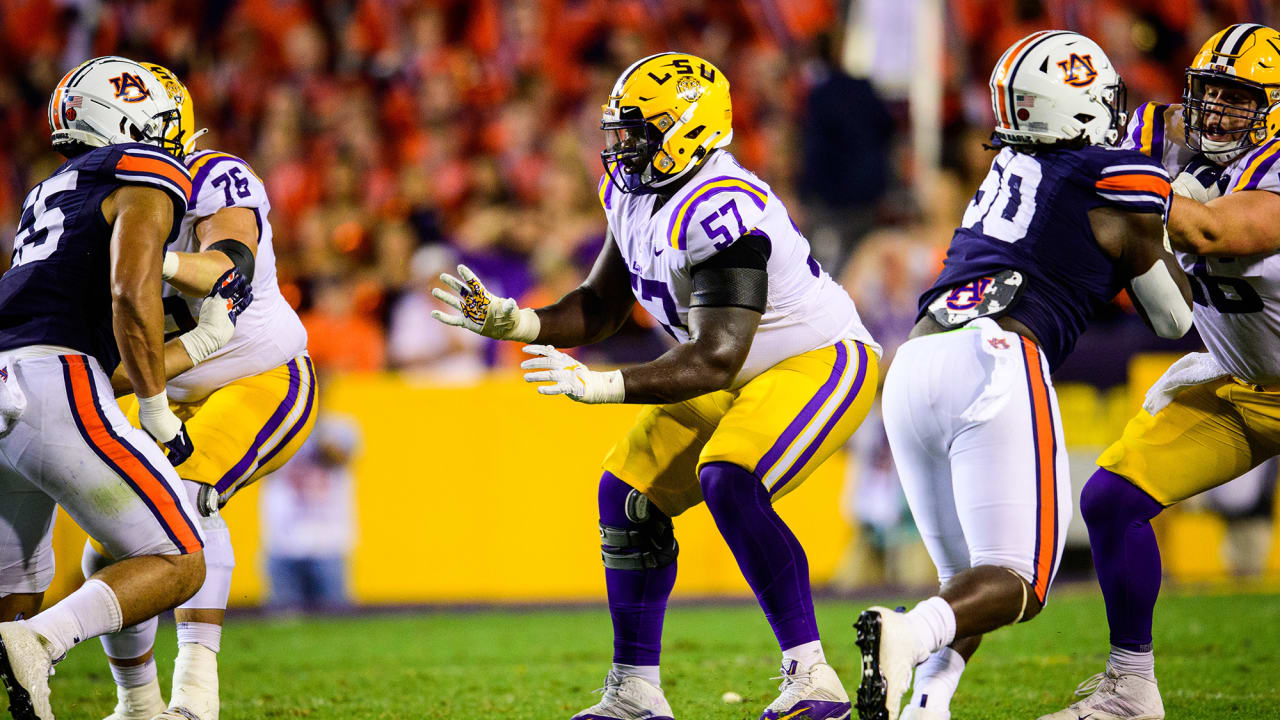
<point x="773" y="372"/>
<point x="81" y="298"/>
<point x="1062" y="223"/>
<point x="248" y="407"/>
<point x="1213" y="415"/>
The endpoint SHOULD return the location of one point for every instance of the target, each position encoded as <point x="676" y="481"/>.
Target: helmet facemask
<point x="631" y="145"/>
<point x="1237" y="126"/>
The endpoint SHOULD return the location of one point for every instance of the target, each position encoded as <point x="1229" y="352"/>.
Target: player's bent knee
<point x="1108" y="499"/>
<point x="186" y="573"/>
<point x="634" y="533"/>
<point x="725" y="486"/>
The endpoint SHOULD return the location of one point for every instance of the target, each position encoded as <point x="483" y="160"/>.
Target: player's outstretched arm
<point x="1236" y="224"/>
<point x="141" y="219"/>
<point x="591" y="312"/>
<point x="1157" y="286"/>
<point x="228" y="240"/>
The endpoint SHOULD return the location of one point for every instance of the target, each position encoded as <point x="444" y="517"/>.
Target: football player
<point x="1062" y="223"/>
<point x="82" y="297"/>
<point x="1213" y="415"/>
<point x="247" y="408"/>
<point x="772" y="373"/>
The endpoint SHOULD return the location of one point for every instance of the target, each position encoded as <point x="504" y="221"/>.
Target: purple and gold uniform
<point x="1215" y="431"/>
<point x="251" y="404"/>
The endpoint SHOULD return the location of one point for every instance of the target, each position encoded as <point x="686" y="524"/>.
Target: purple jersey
<point x="57" y="290"/>
<point x="1031" y="216"/>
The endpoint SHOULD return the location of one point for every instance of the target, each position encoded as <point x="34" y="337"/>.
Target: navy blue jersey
<point x="1031" y="216"/>
<point x="57" y="290"/>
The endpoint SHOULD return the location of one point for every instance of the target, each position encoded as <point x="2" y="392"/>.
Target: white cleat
<point x="813" y="694"/>
<point x="888" y="646"/>
<point x="1112" y="696"/>
<point x="25" y="668"/>
<point x="138" y="703"/>
<point x="195" y="685"/>
<point x="628" y="698"/>
<point x="915" y="712"/>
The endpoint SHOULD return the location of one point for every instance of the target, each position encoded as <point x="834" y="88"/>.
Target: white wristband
<point x="604" y="387"/>
<point x="527" y="326"/>
<point x="156" y="418"/>
<point x="170" y="266"/>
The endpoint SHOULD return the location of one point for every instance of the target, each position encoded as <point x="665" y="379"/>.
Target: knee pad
<point x="634" y="533"/>
<point x="1110" y="498"/>
<point x="219" y="561"/>
<point x="131" y="642"/>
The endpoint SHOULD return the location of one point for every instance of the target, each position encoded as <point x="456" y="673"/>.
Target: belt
<point x="1256" y="387"/>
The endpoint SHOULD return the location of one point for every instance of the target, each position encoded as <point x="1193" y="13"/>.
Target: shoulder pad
<point x="716" y="212"/>
<point x="1146" y="130"/>
<point x="1257" y="170"/>
<point x="1132" y="181"/>
<point x="221" y="180"/>
<point x="138" y="164"/>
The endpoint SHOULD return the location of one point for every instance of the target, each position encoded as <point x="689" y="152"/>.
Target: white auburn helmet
<point x="1054" y="86"/>
<point x="111" y="100"/>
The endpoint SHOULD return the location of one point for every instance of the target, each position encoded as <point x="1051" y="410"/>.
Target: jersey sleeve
<point x="1133" y="182"/>
<point x="143" y="165"/>
<point x="1258" y="170"/>
<point x="220" y="180"/>
<point x="1146" y="130"/>
<point x="714" y="214"/>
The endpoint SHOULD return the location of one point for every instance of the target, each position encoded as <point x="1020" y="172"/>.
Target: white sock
<point x="936" y="681"/>
<point x="649" y="673"/>
<point x="90" y="611"/>
<point x="935" y="625"/>
<point x="1128" y="662"/>
<point x="806" y="655"/>
<point x="206" y="634"/>
<point x="134" y="675"/>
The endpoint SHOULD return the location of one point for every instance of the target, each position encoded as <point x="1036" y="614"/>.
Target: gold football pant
<point x="780" y="426"/>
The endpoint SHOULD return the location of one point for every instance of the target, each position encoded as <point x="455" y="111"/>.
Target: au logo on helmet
<point x="130" y="88"/>
<point x="1078" y="70"/>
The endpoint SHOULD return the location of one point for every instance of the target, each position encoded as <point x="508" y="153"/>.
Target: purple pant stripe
<point x="273" y="424"/>
<point x="806" y="414"/>
<point x="830" y="424"/>
<point x="302" y="419"/>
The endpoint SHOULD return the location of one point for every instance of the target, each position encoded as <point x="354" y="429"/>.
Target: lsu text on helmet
<point x="666" y="113"/>
<point x="111" y="100"/>
<point x="1057" y="87"/>
<point x="1231" y="101"/>
<point x="184" y="133"/>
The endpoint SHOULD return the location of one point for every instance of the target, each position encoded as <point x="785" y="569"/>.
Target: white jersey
<point x="1237" y="299"/>
<point x="720" y="203"/>
<point x="268" y="334"/>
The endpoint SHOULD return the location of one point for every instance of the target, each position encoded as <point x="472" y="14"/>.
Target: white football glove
<point x="488" y="315"/>
<point x="571" y="377"/>
<point x="213" y="330"/>
<point x="1199" y="180"/>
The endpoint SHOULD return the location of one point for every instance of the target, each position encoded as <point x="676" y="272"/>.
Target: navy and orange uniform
<point x="57" y="289"/>
<point x="63" y="440"/>
<point x="1030" y="219"/>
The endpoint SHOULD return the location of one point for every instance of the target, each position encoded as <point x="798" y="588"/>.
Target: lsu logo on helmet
<point x="1078" y="70"/>
<point x="665" y="114"/>
<point x="130" y="88"/>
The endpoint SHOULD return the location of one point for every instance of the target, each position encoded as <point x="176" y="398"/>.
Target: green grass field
<point x="1218" y="657"/>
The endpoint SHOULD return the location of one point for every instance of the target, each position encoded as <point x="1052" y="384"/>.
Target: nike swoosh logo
<point x="647" y="99"/>
<point x="656" y="253"/>
<point x="794" y="714"/>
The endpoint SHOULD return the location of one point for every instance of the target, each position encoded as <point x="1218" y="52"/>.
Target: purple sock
<point x="637" y="598"/>
<point x="769" y="555"/>
<point x="1125" y="554"/>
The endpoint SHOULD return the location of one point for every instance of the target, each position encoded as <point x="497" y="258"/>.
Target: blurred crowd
<point x="400" y="137"/>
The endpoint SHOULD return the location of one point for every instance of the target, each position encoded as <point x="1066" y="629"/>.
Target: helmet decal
<point x="130" y="88"/>
<point x="1078" y="70"/>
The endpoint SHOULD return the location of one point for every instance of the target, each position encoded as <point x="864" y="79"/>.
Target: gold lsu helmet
<point x="1245" y="56"/>
<point x="666" y="113"/>
<point x="184" y="132"/>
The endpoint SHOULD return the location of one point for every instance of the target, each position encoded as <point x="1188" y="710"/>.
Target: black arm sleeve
<point x="239" y="253"/>
<point x="735" y="276"/>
